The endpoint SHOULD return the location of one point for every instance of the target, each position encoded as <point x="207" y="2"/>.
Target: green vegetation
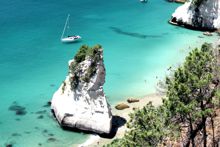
<point x="81" y="54"/>
<point x="147" y="127"/>
<point x="95" y="57"/>
<point x="63" y="86"/>
<point x="197" y="3"/>
<point x="190" y="92"/>
<point x="90" y="72"/>
<point x="74" y="81"/>
<point x="85" y="51"/>
<point x="191" y="100"/>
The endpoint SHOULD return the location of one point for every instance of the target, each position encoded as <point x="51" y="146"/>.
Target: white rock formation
<point x="205" y="16"/>
<point x="80" y="101"/>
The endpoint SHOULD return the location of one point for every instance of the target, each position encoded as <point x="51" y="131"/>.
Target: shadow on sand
<point x="117" y="122"/>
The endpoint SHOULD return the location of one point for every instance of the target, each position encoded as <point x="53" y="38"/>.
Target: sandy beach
<point x="96" y="141"/>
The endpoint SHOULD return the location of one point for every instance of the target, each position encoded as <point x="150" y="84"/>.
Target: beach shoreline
<point x="155" y="98"/>
<point x="96" y="141"/>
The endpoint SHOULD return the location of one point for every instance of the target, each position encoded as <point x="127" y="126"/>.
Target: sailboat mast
<point x="65" y="26"/>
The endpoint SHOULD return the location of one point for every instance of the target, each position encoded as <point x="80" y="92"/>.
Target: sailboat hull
<point x="71" y="39"/>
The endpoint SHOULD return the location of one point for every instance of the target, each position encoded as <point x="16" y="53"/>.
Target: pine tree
<point x="147" y="127"/>
<point x="190" y="91"/>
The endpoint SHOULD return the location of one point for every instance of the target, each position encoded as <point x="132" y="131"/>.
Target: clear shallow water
<point x="138" y="46"/>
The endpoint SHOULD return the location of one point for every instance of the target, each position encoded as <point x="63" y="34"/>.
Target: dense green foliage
<point x="189" y="102"/>
<point x="81" y="54"/>
<point x="190" y="92"/>
<point x="85" y="51"/>
<point x="147" y="127"/>
<point x="197" y="3"/>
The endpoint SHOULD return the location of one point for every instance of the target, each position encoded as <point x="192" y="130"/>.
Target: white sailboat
<point x="143" y="1"/>
<point x="68" y="39"/>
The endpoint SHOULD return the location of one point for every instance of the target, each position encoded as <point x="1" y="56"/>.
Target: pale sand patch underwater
<point x="96" y="141"/>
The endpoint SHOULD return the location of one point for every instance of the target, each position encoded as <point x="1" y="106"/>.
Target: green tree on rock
<point x="147" y="127"/>
<point x="190" y="92"/>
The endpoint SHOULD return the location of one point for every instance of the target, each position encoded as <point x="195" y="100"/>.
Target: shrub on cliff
<point x="85" y="51"/>
<point x="81" y="54"/>
<point x="197" y="3"/>
<point x="147" y="127"/>
<point x="190" y="91"/>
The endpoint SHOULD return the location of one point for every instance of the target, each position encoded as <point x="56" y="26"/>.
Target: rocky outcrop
<point x="178" y="1"/>
<point x="80" y="101"/>
<point x="132" y="100"/>
<point x="121" y="106"/>
<point x="198" y="14"/>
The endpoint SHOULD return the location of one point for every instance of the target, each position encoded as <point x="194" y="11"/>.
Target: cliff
<point x="80" y="101"/>
<point x="198" y="14"/>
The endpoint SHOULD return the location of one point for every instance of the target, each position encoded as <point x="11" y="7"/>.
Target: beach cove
<point x="139" y="45"/>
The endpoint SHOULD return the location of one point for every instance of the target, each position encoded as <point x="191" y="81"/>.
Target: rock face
<point x="80" y="101"/>
<point x="202" y="16"/>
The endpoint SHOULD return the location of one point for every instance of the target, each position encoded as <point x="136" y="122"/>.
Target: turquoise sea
<point x="138" y="45"/>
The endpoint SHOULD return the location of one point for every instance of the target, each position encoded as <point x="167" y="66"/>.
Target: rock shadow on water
<point x="37" y="128"/>
<point x="117" y="122"/>
<point x="48" y="104"/>
<point x="41" y="112"/>
<point x="19" y="110"/>
<point x="133" y="34"/>
<point x="15" y="134"/>
<point x="52" y="85"/>
<point x="27" y="132"/>
<point x="50" y="134"/>
<point x="9" y="145"/>
<point x="47" y="133"/>
<point x="40" y="117"/>
<point x="18" y="119"/>
<point x="52" y="139"/>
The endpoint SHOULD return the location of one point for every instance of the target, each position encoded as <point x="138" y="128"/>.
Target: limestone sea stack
<point x="80" y="101"/>
<point x="198" y="14"/>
